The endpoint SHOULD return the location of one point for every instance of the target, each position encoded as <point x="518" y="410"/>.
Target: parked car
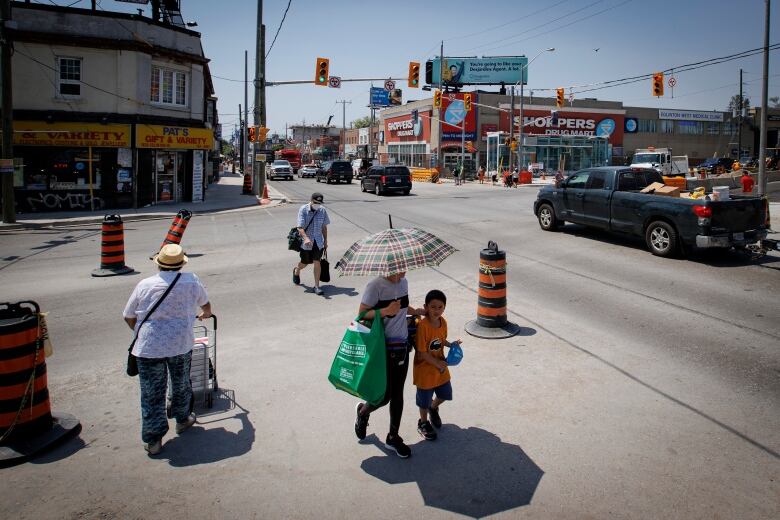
<point x="386" y="179"/>
<point x="335" y="171"/>
<point x="361" y="166"/>
<point x="308" y="170"/>
<point x="609" y="198"/>
<point x="711" y="165"/>
<point x="281" y="169"/>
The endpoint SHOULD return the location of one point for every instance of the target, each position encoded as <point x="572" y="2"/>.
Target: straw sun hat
<point x="170" y="256"/>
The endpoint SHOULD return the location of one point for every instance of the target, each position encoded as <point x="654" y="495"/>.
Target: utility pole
<point x="247" y="163"/>
<point x="240" y="141"/>
<point x="512" y="121"/>
<point x="764" y="86"/>
<point x="439" y="150"/>
<point x="259" y="112"/>
<point x="344" y="104"/>
<point x="9" y="205"/>
<point x="741" y="110"/>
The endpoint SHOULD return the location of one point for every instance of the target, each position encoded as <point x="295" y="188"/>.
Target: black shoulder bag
<point x="294" y="240"/>
<point x="132" y="362"/>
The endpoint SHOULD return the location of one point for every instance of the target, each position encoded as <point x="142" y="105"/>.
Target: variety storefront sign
<point x="40" y="133"/>
<point x="588" y="124"/>
<point x="481" y="71"/>
<point x="690" y="115"/>
<point x="173" y="137"/>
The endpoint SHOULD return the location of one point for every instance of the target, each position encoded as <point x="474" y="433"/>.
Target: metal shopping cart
<point x="203" y="371"/>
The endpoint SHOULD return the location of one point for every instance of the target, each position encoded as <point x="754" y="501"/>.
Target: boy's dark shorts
<point x="425" y="397"/>
<point x="308" y="256"/>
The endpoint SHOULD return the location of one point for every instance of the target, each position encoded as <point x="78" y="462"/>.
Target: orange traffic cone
<point x="265" y="191"/>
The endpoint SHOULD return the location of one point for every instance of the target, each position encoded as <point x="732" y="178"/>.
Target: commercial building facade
<point x="588" y="132"/>
<point x="111" y="110"/>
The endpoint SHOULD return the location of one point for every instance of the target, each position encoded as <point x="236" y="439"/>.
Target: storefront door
<point x="169" y="176"/>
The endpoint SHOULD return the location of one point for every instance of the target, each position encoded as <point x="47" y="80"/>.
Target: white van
<point x="361" y="166"/>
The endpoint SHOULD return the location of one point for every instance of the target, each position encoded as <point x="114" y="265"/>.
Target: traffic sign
<point x="334" y="82"/>
<point x="389" y="85"/>
<point x="672" y="81"/>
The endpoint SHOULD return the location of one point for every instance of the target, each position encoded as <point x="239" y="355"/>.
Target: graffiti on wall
<point x="63" y="200"/>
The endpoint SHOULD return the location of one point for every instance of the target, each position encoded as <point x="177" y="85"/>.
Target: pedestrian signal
<point x="262" y="133"/>
<point x="467" y="102"/>
<point x="559" y="97"/>
<point x="437" y="98"/>
<point x="251" y="134"/>
<point x="321" y="73"/>
<point x="414" y="74"/>
<point x="658" y="84"/>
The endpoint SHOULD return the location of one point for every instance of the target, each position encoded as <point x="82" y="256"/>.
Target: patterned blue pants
<point x="153" y="375"/>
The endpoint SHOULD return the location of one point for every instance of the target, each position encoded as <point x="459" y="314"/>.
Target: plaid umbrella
<point x="393" y="251"/>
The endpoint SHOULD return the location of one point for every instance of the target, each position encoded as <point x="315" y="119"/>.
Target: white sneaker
<point x="180" y="427"/>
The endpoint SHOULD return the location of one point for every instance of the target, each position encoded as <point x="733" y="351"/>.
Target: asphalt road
<point x="641" y="387"/>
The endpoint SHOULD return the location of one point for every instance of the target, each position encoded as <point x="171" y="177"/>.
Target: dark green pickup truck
<point x="609" y="198"/>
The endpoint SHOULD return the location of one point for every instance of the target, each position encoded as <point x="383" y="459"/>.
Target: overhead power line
<point x="279" y="29"/>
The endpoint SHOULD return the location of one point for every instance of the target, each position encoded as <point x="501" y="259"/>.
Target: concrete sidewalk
<point x="222" y="195"/>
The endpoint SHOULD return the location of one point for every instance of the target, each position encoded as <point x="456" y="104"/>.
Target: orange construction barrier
<point x="24" y="397"/>
<point x="491" y="322"/>
<point x="526" y="177"/>
<point x="178" y="226"/>
<point x="678" y="182"/>
<point x="247" y="189"/>
<point x="112" y="248"/>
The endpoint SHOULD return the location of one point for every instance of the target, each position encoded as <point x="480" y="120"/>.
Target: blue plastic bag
<point x="455" y="355"/>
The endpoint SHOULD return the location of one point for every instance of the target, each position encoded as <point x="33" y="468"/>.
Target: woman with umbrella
<point x="388" y="255"/>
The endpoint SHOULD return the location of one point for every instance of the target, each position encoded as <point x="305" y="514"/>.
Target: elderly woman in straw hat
<point x="164" y="342"/>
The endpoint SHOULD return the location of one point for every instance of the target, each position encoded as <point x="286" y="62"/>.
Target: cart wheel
<point x="168" y="412"/>
<point x="210" y="400"/>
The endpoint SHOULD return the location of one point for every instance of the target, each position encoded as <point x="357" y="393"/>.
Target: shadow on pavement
<point x="200" y="445"/>
<point x="466" y="471"/>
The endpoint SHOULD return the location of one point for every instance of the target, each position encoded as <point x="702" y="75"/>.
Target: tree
<point x="734" y="103"/>
<point x="363" y="122"/>
<point x="775" y="100"/>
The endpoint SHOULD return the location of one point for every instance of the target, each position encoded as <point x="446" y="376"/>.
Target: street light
<point x="512" y="109"/>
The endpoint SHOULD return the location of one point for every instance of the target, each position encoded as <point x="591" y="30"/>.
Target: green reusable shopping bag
<point x="360" y="365"/>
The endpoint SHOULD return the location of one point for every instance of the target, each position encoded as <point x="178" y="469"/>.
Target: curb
<point x="140" y="217"/>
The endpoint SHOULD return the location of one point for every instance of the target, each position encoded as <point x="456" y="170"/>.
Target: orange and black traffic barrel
<point x="491" y="293"/>
<point x="491" y="322"/>
<point x="178" y="226"/>
<point x="25" y="409"/>
<point x="112" y="248"/>
<point x="247" y="189"/>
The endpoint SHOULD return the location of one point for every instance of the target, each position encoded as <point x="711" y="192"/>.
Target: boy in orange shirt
<point x="430" y="367"/>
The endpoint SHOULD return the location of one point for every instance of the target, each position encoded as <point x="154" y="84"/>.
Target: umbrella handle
<point x="390" y="218"/>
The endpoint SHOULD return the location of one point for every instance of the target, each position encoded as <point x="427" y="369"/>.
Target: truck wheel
<point x="661" y="239"/>
<point x="377" y="189"/>
<point x="547" y="219"/>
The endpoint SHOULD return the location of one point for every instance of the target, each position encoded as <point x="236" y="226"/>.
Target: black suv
<point x="711" y="165"/>
<point x="335" y="171"/>
<point x="387" y="178"/>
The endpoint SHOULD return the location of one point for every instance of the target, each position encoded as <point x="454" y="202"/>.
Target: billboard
<point x="605" y="124"/>
<point x="385" y="98"/>
<point x="478" y="71"/>
<point x="454" y="113"/>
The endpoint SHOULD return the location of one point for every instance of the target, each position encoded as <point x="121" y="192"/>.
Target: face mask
<point x="315" y="207"/>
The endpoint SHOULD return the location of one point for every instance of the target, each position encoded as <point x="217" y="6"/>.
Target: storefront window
<point x="713" y="128"/>
<point x="667" y="126"/>
<point x="690" y="128"/>
<point x="408" y="154"/>
<point x="646" y="126"/>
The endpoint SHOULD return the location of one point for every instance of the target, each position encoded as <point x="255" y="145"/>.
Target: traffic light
<point x="414" y="74"/>
<point x="437" y="98"/>
<point x="658" y="84"/>
<point x="467" y="102"/>
<point x="415" y="116"/>
<point x="560" y="97"/>
<point x="321" y="73"/>
<point x="251" y="134"/>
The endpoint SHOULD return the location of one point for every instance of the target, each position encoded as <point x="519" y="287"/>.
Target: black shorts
<point x="308" y="256"/>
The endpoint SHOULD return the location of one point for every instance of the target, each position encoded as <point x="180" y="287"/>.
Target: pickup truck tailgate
<point x="737" y="214"/>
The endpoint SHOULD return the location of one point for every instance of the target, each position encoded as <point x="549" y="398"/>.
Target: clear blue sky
<point x="370" y="38"/>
